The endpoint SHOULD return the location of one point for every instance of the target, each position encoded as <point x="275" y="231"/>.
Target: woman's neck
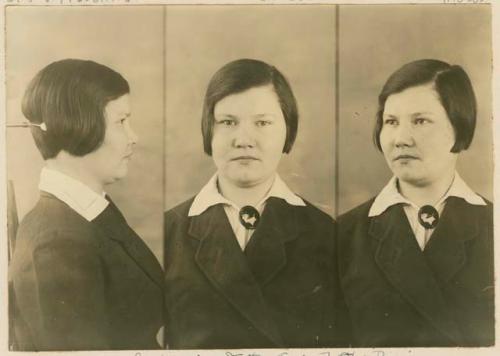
<point x="75" y="168"/>
<point x="428" y="194"/>
<point x="243" y="196"/>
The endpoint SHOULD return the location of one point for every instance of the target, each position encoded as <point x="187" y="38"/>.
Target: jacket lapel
<point x="115" y="226"/>
<point x="221" y="259"/>
<point x="399" y="257"/>
<point x="445" y="250"/>
<point x="266" y="249"/>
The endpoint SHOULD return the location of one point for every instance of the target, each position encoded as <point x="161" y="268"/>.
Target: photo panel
<point x="76" y="286"/>
<point x="251" y="266"/>
<point x="416" y="242"/>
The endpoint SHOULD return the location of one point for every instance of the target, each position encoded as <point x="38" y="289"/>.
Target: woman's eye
<point x="262" y="123"/>
<point x="226" y="122"/>
<point x="420" y="121"/>
<point x="390" y="122"/>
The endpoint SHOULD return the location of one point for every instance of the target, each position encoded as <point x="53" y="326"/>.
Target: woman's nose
<point x="244" y="136"/>
<point x="132" y="136"/>
<point x="403" y="136"/>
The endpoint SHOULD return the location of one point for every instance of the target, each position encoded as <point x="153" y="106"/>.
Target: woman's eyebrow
<point x="255" y="116"/>
<point x="260" y="115"/>
<point x="263" y="114"/>
<point x="420" y="113"/>
<point x="225" y="115"/>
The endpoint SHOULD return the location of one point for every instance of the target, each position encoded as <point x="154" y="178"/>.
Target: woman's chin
<point x="116" y="177"/>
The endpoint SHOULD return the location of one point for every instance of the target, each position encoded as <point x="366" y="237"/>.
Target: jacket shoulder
<point x="179" y="211"/>
<point x="176" y="220"/>
<point x="49" y="216"/>
<point x="483" y="212"/>
<point x="52" y="231"/>
<point x="488" y="207"/>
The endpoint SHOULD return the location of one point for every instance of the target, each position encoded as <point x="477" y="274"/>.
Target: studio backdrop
<point x="299" y="41"/>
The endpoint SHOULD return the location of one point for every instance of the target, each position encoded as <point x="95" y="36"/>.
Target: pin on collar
<point x="428" y="217"/>
<point x="249" y="217"/>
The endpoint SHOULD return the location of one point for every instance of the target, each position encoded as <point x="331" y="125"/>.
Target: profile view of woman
<point x="250" y="264"/>
<point x="416" y="261"/>
<point x="81" y="278"/>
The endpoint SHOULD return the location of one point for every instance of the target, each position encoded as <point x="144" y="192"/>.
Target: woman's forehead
<point x="253" y="101"/>
<point x="119" y="106"/>
<point x="414" y="100"/>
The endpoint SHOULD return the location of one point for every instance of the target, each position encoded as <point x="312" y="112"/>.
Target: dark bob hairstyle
<point x="453" y="87"/>
<point x="69" y="98"/>
<point x="238" y="76"/>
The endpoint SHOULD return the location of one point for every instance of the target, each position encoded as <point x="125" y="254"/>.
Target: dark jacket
<point x="281" y="291"/>
<point x="399" y="295"/>
<point x="82" y="285"/>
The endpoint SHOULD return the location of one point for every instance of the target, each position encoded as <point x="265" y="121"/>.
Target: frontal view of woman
<point x="416" y="262"/>
<point x="250" y="264"/>
<point x="82" y="279"/>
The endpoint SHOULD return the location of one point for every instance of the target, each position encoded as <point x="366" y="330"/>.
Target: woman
<point x="82" y="279"/>
<point x="416" y="262"/>
<point x="249" y="264"/>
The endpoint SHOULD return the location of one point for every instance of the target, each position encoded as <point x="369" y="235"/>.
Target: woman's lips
<point x="404" y="157"/>
<point x="245" y="158"/>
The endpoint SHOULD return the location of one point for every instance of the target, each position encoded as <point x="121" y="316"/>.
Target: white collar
<point x="390" y="195"/>
<point x="209" y="196"/>
<point x="74" y="193"/>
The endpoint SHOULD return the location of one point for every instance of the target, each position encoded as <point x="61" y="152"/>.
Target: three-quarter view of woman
<point x="416" y="261"/>
<point x="81" y="278"/>
<point x="249" y="263"/>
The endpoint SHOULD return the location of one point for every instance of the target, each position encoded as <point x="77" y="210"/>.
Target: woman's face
<point x="417" y="136"/>
<point x="248" y="136"/>
<point x="110" y="161"/>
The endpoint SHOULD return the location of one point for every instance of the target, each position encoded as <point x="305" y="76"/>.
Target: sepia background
<point x="376" y="40"/>
<point x="130" y="41"/>
<point x="299" y="41"/>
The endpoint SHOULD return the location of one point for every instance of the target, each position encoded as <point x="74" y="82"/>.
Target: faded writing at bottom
<point x="285" y="353"/>
<point x="323" y="353"/>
